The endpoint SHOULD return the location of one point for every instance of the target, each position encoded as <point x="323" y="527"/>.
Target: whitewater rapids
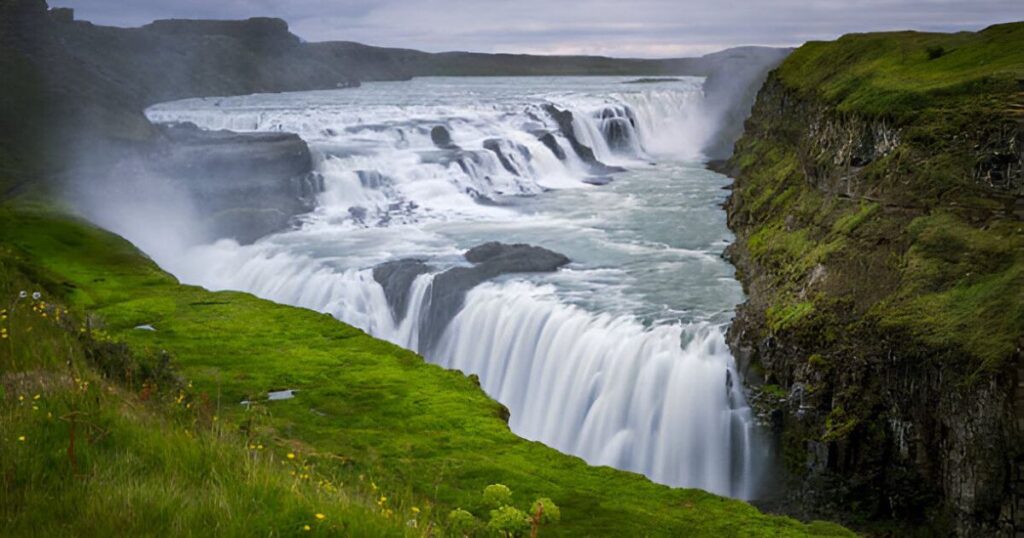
<point x="619" y="358"/>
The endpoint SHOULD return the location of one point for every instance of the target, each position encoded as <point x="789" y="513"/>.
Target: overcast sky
<point x="642" y="28"/>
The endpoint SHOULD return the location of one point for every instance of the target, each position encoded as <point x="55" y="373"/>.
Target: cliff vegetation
<point x="878" y="206"/>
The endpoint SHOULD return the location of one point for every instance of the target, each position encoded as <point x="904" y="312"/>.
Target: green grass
<point x="365" y="412"/>
<point x="781" y="317"/>
<point x="894" y="74"/>
<point x="848" y="223"/>
<point x="99" y="441"/>
<point x="963" y="287"/>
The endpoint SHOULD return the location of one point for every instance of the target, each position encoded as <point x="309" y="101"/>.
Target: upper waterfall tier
<point x="428" y="159"/>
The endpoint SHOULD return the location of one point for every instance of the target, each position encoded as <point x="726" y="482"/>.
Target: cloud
<point x="644" y="28"/>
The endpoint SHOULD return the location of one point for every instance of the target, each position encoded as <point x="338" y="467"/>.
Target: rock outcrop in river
<point x="246" y="185"/>
<point x="448" y="289"/>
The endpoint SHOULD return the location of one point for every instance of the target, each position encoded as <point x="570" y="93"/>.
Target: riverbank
<point x="375" y="420"/>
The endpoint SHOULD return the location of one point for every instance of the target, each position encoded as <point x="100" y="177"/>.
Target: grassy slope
<point x="366" y="411"/>
<point x="894" y="74"/>
<point x="930" y="253"/>
<point x="150" y="458"/>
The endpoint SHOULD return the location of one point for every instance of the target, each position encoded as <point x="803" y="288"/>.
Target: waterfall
<point x="657" y="401"/>
<point x="661" y="399"/>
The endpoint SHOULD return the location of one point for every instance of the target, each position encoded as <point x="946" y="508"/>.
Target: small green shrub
<point x="509" y="521"/>
<point x="545" y="511"/>
<point x="817" y="361"/>
<point x="497" y="495"/>
<point x="936" y="52"/>
<point x="461" y="522"/>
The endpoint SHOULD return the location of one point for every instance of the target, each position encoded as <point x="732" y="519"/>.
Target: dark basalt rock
<point x="490" y="260"/>
<point x="551" y="143"/>
<point x="499" y="258"/>
<point x="396" y="278"/>
<point x="246" y="184"/>
<point x="618" y="125"/>
<point x="471" y="162"/>
<point x="652" y="80"/>
<point x="513" y="157"/>
<point x="564" y="119"/>
<point x="260" y="33"/>
<point x="442" y="138"/>
<point x="618" y="134"/>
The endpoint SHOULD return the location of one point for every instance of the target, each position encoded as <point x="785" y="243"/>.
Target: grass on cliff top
<point x="898" y="73"/>
<point x="373" y="418"/>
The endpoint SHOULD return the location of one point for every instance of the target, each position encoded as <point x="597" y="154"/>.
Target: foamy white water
<point x="618" y="358"/>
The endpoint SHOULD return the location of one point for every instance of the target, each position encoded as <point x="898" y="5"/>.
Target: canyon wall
<point x="878" y="212"/>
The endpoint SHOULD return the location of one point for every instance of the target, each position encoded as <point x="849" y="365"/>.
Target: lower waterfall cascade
<point x="619" y="357"/>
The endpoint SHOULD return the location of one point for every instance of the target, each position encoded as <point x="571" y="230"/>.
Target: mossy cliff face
<point x="877" y="207"/>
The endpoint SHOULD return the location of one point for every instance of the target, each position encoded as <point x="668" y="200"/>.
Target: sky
<point x="641" y="28"/>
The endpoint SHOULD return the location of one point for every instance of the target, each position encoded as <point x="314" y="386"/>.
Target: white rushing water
<point x="619" y="357"/>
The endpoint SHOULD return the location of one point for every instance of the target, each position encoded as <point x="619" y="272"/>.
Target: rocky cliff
<point x="878" y="212"/>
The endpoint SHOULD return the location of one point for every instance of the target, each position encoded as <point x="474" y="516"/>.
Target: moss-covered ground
<point x="905" y="74"/>
<point x="163" y="444"/>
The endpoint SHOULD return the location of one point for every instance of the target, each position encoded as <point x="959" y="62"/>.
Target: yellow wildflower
<point x="21" y="438"/>
<point x="291" y="456"/>
<point x="36" y="397"/>
<point x="321" y="516"/>
<point x="306" y="528"/>
<point x="415" y="510"/>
